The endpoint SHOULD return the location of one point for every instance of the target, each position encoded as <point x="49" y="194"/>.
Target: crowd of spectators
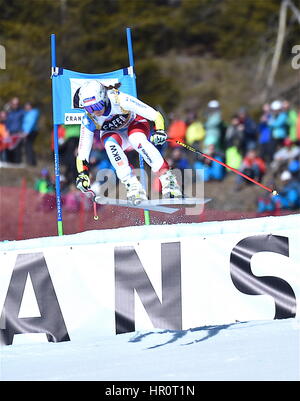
<point x="265" y="147"/>
<point x="268" y="146"/>
<point x="71" y="198"/>
<point x="18" y="132"/>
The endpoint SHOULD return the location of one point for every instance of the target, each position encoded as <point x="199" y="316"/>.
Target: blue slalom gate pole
<point x="130" y="54"/>
<point x="141" y="160"/>
<point x="55" y="137"/>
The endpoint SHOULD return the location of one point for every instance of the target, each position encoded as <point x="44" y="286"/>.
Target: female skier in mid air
<point x="123" y="122"/>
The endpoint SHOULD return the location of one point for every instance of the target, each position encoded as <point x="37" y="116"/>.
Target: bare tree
<point x="294" y="9"/>
<point x="281" y="33"/>
<point x="278" y="46"/>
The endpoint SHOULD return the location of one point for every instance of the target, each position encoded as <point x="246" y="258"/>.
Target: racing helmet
<point x="93" y="96"/>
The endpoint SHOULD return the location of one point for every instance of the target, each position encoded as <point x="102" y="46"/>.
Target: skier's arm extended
<point x="135" y="105"/>
<point x="131" y="103"/>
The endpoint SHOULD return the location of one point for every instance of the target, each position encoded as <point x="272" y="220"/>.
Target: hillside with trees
<point x="186" y="51"/>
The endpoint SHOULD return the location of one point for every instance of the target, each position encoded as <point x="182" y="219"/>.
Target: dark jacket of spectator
<point x="249" y="129"/>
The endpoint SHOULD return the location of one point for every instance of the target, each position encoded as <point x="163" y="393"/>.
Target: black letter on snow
<point x="245" y="281"/>
<point x="130" y="275"/>
<point x="51" y="320"/>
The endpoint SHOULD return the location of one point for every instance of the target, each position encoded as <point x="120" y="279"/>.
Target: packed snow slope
<point x="256" y="350"/>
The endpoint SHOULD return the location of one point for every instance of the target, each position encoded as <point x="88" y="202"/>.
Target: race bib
<point x="117" y="121"/>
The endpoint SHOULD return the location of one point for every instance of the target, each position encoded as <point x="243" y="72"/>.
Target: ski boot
<point x="135" y="192"/>
<point x="170" y="187"/>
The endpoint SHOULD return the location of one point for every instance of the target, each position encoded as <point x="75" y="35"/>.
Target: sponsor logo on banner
<point x="73" y="118"/>
<point x="172" y="285"/>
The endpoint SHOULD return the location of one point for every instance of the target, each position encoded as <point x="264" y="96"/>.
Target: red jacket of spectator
<point x="251" y="160"/>
<point x="176" y="131"/>
<point x="61" y="136"/>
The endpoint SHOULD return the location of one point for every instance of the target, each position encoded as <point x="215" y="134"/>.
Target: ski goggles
<point x="95" y="107"/>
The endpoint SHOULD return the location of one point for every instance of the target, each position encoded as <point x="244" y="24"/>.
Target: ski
<point x="178" y="201"/>
<point x="155" y="205"/>
<point x="145" y="205"/>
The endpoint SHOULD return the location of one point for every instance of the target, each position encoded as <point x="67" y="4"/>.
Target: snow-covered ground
<point x="256" y="350"/>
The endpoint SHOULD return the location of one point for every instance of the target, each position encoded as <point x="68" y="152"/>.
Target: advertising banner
<point x="77" y="292"/>
<point x="66" y="85"/>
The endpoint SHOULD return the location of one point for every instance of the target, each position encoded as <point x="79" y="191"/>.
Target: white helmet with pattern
<point x="93" y="96"/>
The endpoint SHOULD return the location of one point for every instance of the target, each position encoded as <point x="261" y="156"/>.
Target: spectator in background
<point x="248" y="129"/>
<point x="176" y="130"/>
<point x="291" y="120"/>
<point x="233" y="143"/>
<point x="195" y="132"/>
<point x="294" y="167"/>
<point x="278" y="124"/>
<point x="178" y="159"/>
<point x="265" y="134"/>
<point x="252" y="166"/>
<point x="14" y="124"/>
<point x="45" y="187"/>
<point x="61" y="133"/>
<point x="30" y="130"/>
<point x="213" y="125"/>
<point x="7" y="142"/>
<point x="233" y="157"/>
<point x="288" y="197"/>
<point x="207" y="169"/>
<point x="284" y="156"/>
<point x="44" y="183"/>
<point x="4" y="136"/>
<point x="71" y="200"/>
<point x="234" y="133"/>
<point x="68" y="150"/>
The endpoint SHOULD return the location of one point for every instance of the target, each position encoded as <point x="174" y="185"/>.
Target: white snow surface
<point x="248" y="351"/>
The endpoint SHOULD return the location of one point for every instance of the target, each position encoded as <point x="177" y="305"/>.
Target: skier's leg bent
<point x="119" y="160"/>
<point x="151" y="155"/>
<point x="116" y="155"/>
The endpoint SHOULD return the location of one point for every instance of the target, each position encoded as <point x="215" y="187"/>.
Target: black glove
<point x="159" y="137"/>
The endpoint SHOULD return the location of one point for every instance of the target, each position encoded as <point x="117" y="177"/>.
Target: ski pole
<point x="188" y="147"/>
<point x="96" y="217"/>
<point x="93" y="196"/>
